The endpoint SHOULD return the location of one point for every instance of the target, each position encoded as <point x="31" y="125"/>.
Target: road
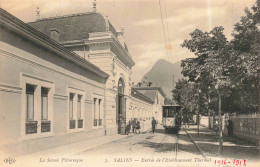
<point x="149" y="144"/>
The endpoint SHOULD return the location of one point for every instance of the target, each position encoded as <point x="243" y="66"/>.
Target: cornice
<point x="109" y="38"/>
<point x="10" y="88"/>
<point x="61" y="97"/>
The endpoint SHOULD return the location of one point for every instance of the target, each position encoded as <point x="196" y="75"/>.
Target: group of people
<point x="135" y="125"/>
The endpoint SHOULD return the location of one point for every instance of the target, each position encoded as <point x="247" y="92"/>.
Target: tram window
<point x="171" y="112"/>
<point x="165" y="112"/>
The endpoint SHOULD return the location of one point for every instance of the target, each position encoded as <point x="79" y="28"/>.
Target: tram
<point x="171" y="117"/>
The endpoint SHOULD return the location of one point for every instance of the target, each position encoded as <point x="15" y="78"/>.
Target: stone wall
<point x="247" y="128"/>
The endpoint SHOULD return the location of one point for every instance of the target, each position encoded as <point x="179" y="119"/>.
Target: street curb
<point x="196" y="145"/>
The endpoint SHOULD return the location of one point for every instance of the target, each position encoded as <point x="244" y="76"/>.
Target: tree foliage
<point x="232" y="67"/>
<point x="245" y="70"/>
<point x="186" y="94"/>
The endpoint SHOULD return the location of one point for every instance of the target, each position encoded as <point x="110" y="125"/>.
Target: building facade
<point x="64" y="80"/>
<point x="94" y="38"/>
<point x="157" y="95"/>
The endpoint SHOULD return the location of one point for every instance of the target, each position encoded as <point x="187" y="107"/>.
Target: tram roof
<point x="174" y="105"/>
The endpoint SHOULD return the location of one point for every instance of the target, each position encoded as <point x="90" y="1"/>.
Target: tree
<point x="184" y="94"/>
<point x="245" y="71"/>
<point x="212" y="50"/>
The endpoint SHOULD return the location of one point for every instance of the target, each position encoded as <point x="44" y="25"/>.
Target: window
<point x="75" y="109"/>
<point x="79" y="106"/>
<point x="37" y="107"/>
<point x="30" y="101"/>
<point x="165" y="112"/>
<point x="45" y="123"/>
<point x="80" y="120"/>
<point x="71" y="105"/>
<point x="72" y="121"/>
<point x="97" y="112"/>
<point x="44" y="102"/>
<point x="31" y="124"/>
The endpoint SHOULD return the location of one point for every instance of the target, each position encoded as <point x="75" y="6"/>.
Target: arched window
<point x="121" y="86"/>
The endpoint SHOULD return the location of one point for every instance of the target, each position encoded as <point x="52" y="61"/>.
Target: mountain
<point x="162" y="74"/>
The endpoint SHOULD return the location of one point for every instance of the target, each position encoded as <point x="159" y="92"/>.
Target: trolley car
<point x="171" y="117"/>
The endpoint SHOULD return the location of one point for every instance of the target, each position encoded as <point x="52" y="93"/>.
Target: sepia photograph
<point x="130" y="83"/>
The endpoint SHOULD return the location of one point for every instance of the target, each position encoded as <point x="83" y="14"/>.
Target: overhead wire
<point x="165" y="40"/>
<point x="168" y="46"/>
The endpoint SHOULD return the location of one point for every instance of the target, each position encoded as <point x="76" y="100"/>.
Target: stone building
<point x="63" y="80"/>
<point x="94" y="38"/>
<point x="157" y="95"/>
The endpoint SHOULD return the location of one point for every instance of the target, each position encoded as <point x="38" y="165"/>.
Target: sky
<point x="142" y="22"/>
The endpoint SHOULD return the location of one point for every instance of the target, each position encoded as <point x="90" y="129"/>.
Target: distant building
<point x="157" y="95"/>
<point x="63" y="80"/>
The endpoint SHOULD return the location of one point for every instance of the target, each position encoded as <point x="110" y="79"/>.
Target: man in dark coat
<point x="230" y="128"/>
<point x="134" y="122"/>
<point x="153" y="124"/>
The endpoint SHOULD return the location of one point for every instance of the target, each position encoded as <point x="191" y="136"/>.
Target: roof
<point x="13" y="23"/>
<point x="75" y="26"/>
<point x="173" y="105"/>
<point x="149" y="89"/>
<point x="78" y="27"/>
<point x="135" y="93"/>
<point x="150" y="93"/>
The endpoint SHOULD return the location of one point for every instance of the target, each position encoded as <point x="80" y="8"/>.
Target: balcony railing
<point x="31" y="127"/>
<point x="100" y="122"/>
<point x="95" y="122"/>
<point x="80" y="123"/>
<point x="72" y="124"/>
<point x="46" y="126"/>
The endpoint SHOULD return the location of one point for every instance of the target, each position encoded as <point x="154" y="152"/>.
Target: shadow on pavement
<point x="208" y="141"/>
<point x="184" y="144"/>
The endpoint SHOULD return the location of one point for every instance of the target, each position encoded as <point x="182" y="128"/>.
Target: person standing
<point x="127" y="129"/>
<point x="153" y="124"/>
<point x="134" y="125"/>
<point x="138" y="127"/>
<point x="230" y="128"/>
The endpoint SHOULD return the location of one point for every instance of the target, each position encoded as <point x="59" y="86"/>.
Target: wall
<point x="247" y="128"/>
<point x="31" y="60"/>
<point x="158" y="116"/>
<point x="142" y="111"/>
<point x="204" y="121"/>
<point x="101" y="55"/>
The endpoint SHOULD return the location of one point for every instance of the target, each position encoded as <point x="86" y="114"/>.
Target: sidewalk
<point x="208" y="143"/>
<point x="74" y="148"/>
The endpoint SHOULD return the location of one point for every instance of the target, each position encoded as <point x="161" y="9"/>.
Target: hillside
<point x="161" y="74"/>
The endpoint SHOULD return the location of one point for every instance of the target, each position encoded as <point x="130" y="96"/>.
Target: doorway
<point x="121" y="111"/>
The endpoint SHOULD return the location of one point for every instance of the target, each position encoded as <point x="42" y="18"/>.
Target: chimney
<point x="94" y="6"/>
<point x="37" y="13"/>
<point x="55" y="34"/>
